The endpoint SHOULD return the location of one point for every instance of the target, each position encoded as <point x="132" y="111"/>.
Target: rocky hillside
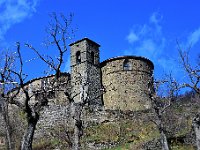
<point x="113" y="129"/>
<point x="127" y="130"/>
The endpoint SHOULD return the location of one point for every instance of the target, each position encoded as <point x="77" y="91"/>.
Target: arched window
<point x="78" y="57"/>
<point x="127" y="65"/>
<point x="92" y="57"/>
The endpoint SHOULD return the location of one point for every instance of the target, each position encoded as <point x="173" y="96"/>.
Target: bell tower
<point x="85" y="66"/>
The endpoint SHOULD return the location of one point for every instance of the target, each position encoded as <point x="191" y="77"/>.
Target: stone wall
<point x="2" y="125"/>
<point x="46" y="85"/>
<point x="52" y="117"/>
<point x="85" y="66"/>
<point x="58" y="102"/>
<point x="2" y="131"/>
<point x="125" y="80"/>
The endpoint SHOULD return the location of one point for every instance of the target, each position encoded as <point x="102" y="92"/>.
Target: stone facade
<point x="55" y="96"/>
<point x="2" y="126"/>
<point x="120" y="86"/>
<point x="85" y="70"/>
<point x="116" y="83"/>
<point x="126" y="82"/>
<point x="124" y="79"/>
<point x="119" y="83"/>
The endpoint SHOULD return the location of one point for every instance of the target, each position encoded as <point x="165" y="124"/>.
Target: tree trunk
<point x="77" y="143"/>
<point x="8" y="138"/>
<point x="28" y="135"/>
<point x="77" y="126"/>
<point x="196" y="126"/>
<point x="164" y="142"/>
<point x="163" y="138"/>
<point x="7" y="127"/>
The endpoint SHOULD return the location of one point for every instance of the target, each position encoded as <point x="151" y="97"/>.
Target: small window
<point x="92" y="57"/>
<point x="78" y="57"/>
<point x="2" y="141"/>
<point x="127" y="65"/>
<point x="51" y="95"/>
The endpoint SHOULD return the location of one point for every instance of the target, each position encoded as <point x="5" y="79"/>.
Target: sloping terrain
<point x="114" y="129"/>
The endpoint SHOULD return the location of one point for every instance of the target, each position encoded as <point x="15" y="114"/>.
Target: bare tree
<point x="21" y="90"/>
<point x="160" y="104"/>
<point x="6" y="83"/>
<point x="59" y="33"/>
<point x="77" y="109"/>
<point x="31" y="110"/>
<point x="193" y="74"/>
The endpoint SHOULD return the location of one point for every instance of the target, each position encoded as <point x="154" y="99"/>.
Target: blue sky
<point x="122" y="27"/>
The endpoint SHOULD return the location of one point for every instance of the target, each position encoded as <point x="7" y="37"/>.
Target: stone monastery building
<point x="116" y="83"/>
<point x="124" y="79"/>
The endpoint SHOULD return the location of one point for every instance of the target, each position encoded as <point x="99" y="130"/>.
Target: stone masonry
<point x="124" y="79"/>
<point x="119" y="83"/>
<point x="116" y="83"/>
<point x="85" y="69"/>
<point x="126" y="82"/>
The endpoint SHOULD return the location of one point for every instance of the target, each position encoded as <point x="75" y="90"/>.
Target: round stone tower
<point x="125" y="80"/>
